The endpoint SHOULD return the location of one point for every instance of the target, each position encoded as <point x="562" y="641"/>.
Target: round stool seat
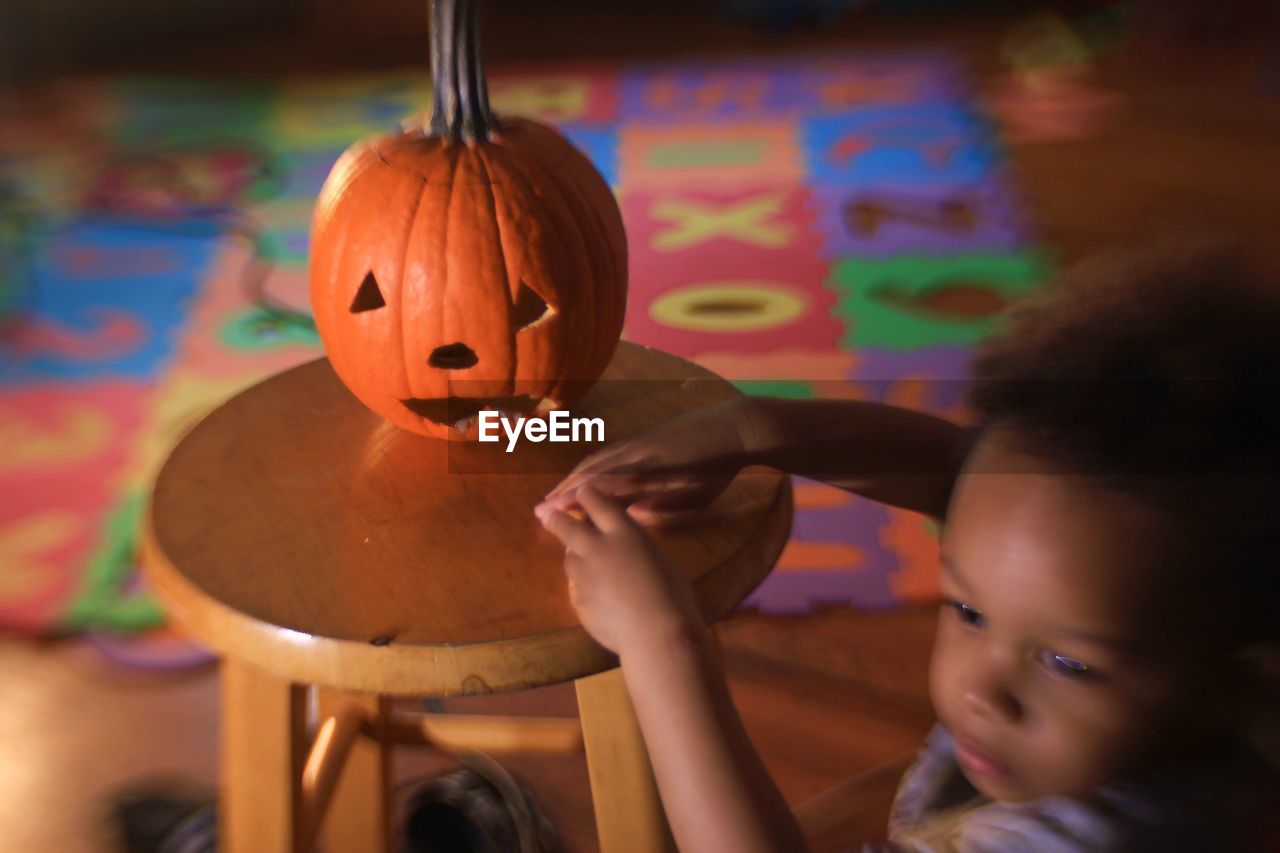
<point x="294" y="529"/>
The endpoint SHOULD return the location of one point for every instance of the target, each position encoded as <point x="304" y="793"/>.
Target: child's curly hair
<point x="1158" y="373"/>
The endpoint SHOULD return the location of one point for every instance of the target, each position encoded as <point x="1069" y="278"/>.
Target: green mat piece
<point x="911" y="302"/>
<point x="793" y="389"/>
<point x="102" y="600"/>
<point x="158" y="112"/>
<point x="258" y="330"/>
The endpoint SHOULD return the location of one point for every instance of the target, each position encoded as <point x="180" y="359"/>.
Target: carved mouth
<point x="461" y="412"/>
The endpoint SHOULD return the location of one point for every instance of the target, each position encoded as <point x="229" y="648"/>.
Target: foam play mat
<point x="838" y="226"/>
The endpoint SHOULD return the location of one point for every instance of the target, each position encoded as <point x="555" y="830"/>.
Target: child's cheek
<point x="943" y="666"/>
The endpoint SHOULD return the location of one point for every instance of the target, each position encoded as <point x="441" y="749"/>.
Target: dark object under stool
<point x="476" y="808"/>
<point x="148" y="821"/>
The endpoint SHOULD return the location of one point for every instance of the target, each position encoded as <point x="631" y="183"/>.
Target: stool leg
<point x="358" y="819"/>
<point x="629" y="814"/>
<point x="264" y="744"/>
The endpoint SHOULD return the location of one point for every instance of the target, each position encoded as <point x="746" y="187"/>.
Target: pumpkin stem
<point x="460" y="95"/>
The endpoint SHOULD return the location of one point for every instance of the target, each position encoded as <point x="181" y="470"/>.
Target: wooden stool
<point x="312" y="544"/>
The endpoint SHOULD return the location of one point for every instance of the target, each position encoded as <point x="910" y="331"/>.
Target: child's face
<point x="1063" y="659"/>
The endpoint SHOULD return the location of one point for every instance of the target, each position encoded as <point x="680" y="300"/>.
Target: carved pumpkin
<point x="472" y="264"/>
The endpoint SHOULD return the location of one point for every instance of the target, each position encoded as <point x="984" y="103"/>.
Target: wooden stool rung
<point x="333" y="741"/>
<point x="488" y="733"/>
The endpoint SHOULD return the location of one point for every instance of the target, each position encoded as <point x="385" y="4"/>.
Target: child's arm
<point x="893" y="455"/>
<point x="716" y="792"/>
<point x="897" y="456"/>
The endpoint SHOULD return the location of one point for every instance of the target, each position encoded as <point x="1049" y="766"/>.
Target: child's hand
<point x="627" y="593"/>
<point x="680" y="465"/>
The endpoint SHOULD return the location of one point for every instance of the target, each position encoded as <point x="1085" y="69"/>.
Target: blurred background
<point x="823" y="197"/>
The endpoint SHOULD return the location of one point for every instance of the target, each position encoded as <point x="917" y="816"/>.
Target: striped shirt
<point x="937" y="811"/>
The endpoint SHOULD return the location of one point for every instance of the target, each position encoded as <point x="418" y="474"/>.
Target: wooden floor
<point x="1194" y="146"/>
<point x="824" y="697"/>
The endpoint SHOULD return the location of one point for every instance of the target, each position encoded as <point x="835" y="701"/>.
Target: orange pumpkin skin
<point x="451" y="233"/>
<point x="505" y="252"/>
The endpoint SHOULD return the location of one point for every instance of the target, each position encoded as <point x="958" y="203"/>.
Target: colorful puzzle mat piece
<point x="834" y="226"/>
<point x="888" y="221"/>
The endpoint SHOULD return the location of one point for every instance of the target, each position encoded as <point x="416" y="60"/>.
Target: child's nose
<point x="990" y="694"/>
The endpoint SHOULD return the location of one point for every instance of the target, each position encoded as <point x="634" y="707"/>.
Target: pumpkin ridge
<point x="565" y="229"/>
<point x="520" y="187"/>
<point x="455" y="217"/>
<point x="406" y="245"/>
<point x="499" y="158"/>
<point x="532" y="130"/>
<point x="600" y="297"/>
<point x="599" y="197"/>
<point x="581" y="165"/>
<point x="570" y="176"/>
<point x="573" y="198"/>
<point x="349" y="166"/>
<point x="591" y="278"/>
<point x="502" y="257"/>
<point x="336" y="315"/>
<point x="586" y="203"/>
<point x="583" y="175"/>
<point x="431" y="156"/>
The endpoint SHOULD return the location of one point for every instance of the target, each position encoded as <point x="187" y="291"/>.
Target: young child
<point x="1107" y="564"/>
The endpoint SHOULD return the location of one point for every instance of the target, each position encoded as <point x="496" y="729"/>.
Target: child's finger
<point x="588" y="466"/>
<point x="647" y="515"/>
<point x="620" y="459"/>
<point x="575" y="535"/>
<point x="622" y="487"/>
<point x="562" y="503"/>
<point x="607" y="514"/>
<point x="677" y="497"/>
<point x="573" y="567"/>
<point x="573" y="482"/>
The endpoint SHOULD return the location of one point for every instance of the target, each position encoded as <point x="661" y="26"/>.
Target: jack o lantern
<point x="471" y="264"/>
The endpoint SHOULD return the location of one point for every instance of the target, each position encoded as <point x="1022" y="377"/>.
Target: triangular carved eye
<point x="368" y="297"/>
<point x="529" y="309"/>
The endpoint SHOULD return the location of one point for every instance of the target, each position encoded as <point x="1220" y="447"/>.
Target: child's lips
<point x="976" y="760"/>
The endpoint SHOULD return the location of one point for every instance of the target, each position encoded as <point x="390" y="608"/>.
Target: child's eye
<point x="1070" y="667"/>
<point x="967" y="613"/>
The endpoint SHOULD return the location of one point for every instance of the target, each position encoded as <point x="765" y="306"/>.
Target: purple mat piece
<point x="848" y="85"/>
<point x="796" y="592"/>
<point x="865" y="585"/>
<point x="938" y="363"/>
<point x="876" y="222"/>
<point x="854" y="522"/>
<point x="764" y="89"/>
<point x="933" y="379"/>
